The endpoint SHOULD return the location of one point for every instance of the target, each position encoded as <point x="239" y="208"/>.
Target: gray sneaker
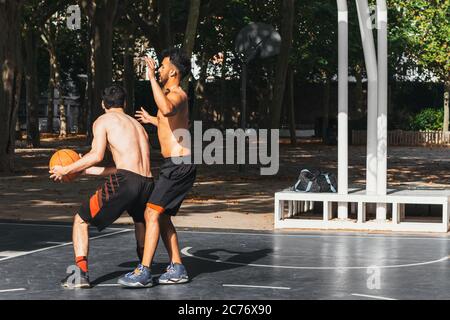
<point x="175" y="274"/>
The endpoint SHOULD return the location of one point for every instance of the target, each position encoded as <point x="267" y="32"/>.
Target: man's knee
<point x="152" y="216"/>
<point x="77" y="220"/>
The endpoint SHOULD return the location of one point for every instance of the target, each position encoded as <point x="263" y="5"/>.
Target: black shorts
<point x="174" y="182"/>
<point x="123" y="191"/>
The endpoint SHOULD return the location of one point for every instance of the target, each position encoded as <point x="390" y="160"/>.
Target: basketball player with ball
<point x="127" y="187"/>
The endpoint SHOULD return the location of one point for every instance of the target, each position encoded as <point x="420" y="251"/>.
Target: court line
<point x="107" y="285"/>
<point x="63" y="245"/>
<point x="251" y="286"/>
<point x="373" y="297"/>
<point x="185" y="251"/>
<point x="12" y="290"/>
<point x="50" y="225"/>
<point x="311" y="235"/>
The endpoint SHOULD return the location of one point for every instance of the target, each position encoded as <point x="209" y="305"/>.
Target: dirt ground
<point x="222" y="196"/>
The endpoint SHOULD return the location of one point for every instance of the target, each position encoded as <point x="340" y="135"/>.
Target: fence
<point x="406" y="138"/>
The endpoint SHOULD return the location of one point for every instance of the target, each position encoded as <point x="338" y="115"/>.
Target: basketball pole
<point x="365" y="26"/>
<point x="382" y="20"/>
<point x="342" y="106"/>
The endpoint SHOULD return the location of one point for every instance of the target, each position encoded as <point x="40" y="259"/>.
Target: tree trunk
<point x="61" y="107"/>
<point x="51" y="89"/>
<point x="102" y="15"/>
<point x="128" y="74"/>
<point x="191" y="27"/>
<point x="291" y="105"/>
<point x="164" y="23"/>
<point x="224" y="110"/>
<point x="10" y="79"/>
<point x="199" y="90"/>
<point x="359" y="94"/>
<point x="288" y="12"/>
<point x="446" y="106"/>
<point x="32" y="91"/>
<point x="191" y="34"/>
<point x="326" y="108"/>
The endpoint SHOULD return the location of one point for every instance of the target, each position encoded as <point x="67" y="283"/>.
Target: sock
<point x="82" y="263"/>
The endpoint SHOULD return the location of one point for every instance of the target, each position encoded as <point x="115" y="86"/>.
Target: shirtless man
<point x="176" y="177"/>
<point x="127" y="187"/>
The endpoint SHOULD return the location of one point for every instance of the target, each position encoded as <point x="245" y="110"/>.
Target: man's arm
<point x="100" y="171"/>
<point x="167" y="104"/>
<point x="144" y="117"/>
<point x="94" y="156"/>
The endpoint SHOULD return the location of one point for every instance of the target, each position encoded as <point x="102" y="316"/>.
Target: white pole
<point x="382" y="19"/>
<point x="365" y="26"/>
<point x="343" y="105"/>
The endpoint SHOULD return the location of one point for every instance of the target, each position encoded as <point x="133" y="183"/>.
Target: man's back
<point x="128" y="142"/>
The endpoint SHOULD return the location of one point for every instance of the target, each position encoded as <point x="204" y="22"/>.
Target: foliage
<point x="429" y="119"/>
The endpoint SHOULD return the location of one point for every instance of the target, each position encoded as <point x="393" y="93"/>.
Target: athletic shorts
<point x="172" y="186"/>
<point x="123" y="191"/>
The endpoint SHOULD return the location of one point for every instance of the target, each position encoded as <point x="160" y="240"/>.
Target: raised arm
<point x="168" y="104"/>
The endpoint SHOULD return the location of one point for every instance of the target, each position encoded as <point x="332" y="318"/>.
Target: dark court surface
<point x="232" y="265"/>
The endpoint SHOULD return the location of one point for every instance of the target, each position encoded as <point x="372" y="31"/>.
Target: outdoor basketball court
<point x="232" y="265"/>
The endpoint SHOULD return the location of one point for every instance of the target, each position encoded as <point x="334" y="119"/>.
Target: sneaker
<point x="139" y="278"/>
<point x="175" y="274"/>
<point x="74" y="282"/>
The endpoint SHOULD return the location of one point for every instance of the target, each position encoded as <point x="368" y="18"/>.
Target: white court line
<point x="12" y="290"/>
<point x="11" y="253"/>
<point x="50" y="225"/>
<point x="311" y="235"/>
<point x="107" y="285"/>
<point x="373" y="297"/>
<point x="185" y="251"/>
<point x="63" y="245"/>
<point x="251" y="286"/>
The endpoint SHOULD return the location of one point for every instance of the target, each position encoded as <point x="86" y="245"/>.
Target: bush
<point x="428" y="119"/>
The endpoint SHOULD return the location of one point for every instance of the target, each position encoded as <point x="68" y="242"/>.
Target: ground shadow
<point x="198" y="266"/>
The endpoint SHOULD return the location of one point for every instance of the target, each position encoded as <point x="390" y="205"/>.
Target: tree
<point x="286" y="32"/>
<point x="36" y="13"/>
<point x="426" y="26"/>
<point x="10" y="79"/>
<point x="101" y="14"/>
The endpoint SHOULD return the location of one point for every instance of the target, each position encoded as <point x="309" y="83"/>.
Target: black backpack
<point x="315" y="181"/>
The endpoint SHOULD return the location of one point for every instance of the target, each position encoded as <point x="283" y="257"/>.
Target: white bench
<point x="291" y="210"/>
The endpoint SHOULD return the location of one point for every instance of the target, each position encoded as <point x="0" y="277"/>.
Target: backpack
<point x="315" y="181"/>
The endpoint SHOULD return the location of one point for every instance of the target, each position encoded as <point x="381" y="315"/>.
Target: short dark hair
<point x="179" y="59"/>
<point x="114" y="97"/>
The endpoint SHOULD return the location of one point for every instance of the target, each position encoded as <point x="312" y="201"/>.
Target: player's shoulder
<point x="104" y="120"/>
<point x="179" y="93"/>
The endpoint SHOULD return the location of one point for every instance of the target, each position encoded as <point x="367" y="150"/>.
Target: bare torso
<point x="171" y="144"/>
<point x="128" y="143"/>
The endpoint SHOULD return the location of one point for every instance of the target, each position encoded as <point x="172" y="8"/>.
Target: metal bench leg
<point x="446" y="215"/>
<point x="327" y="211"/>
<point x="290" y="208"/>
<point x="361" y="212"/>
<point x="342" y="210"/>
<point x="402" y="212"/>
<point x="395" y="213"/>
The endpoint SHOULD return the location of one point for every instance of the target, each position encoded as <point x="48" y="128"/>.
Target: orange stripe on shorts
<point x="155" y="207"/>
<point x="94" y="205"/>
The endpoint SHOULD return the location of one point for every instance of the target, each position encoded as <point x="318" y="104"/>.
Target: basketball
<point x="63" y="158"/>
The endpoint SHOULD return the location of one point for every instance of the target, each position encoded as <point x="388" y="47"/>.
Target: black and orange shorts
<point x="174" y="182"/>
<point x="123" y="191"/>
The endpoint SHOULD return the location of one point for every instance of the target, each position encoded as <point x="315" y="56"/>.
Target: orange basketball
<point x="65" y="157"/>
